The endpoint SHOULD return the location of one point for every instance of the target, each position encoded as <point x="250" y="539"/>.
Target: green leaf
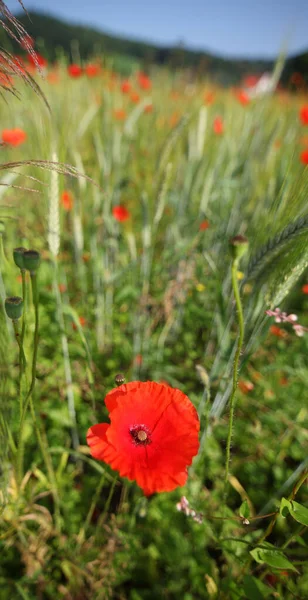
<point x="299" y="512"/>
<point x="244" y="510"/>
<point x="274" y="559"/>
<point x="296" y="510"/>
<point x="254" y="588"/>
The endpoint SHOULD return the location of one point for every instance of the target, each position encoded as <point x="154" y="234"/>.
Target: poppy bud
<point x="238" y="246"/>
<point x="14" y="307"/>
<point x="119" y="379"/>
<point x="18" y="255"/>
<point x="32" y="260"/>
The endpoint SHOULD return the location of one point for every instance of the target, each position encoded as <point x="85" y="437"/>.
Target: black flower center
<point x="140" y="435"/>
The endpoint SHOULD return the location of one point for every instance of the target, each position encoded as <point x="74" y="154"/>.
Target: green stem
<point x="23" y="327"/>
<point x="240" y="318"/>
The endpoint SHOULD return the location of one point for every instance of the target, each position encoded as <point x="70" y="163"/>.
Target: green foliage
<point x="151" y="298"/>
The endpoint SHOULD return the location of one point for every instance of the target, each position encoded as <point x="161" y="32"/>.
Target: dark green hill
<point x="58" y="36"/>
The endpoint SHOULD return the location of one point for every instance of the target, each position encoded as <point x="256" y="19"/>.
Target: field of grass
<point x="136" y="278"/>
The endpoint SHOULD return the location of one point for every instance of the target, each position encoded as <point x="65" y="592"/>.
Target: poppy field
<point x="153" y="337"/>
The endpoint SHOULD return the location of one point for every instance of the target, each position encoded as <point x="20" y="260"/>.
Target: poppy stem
<point x="240" y="319"/>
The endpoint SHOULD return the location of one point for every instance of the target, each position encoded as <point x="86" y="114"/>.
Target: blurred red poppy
<point x="144" y="81"/>
<point x="250" y="81"/>
<point x="303" y="114"/>
<point x="218" y="126"/>
<point x="277" y="331"/>
<point x="14" y="137"/>
<point x="242" y="97"/>
<point x="209" y="98"/>
<point x="135" y="97"/>
<point x="152" y="436"/>
<point x="120" y="213"/>
<point x="67" y="200"/>
<point x="74" y="71"/>
<point x="245" y="386"/>
<point x="305" y="288"/>
<point x="148" y="108"/>
<point x="204" y="225"/>
<point x="126" y="86"/>
<point x="119" y="114"/>
<point x="92" y="70"/>
<point x="27" y="42"/>
<point x="36" y="60"/>
<point x="304" y="157"/>
<point x="82" y="323"/>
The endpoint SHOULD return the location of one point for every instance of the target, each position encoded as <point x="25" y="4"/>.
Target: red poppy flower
<point x="126" y="87"/>
<point x="36" y="60"/>
<point x="27" y="42"/>
<point x="209" y="98"/>
<point x="5" y="80"/>
<point x="305" y="288"/>
<point x="152" y="437"/>
<point x="204" y="225"/>
<point x="148" y="108"/>
<point x="135" y="97"/>
<point x="303" y="114"/>
<point x="74" y="71"/>
<point x="242" y="97"/>
<point x="304" y="157"/>
<point x="120" y="213"/>
<point x="277" y="331"/>
<point x="14" y="137"/>
<point x="250" y="81"/>
<point x="119" y="114"/>
<point x="67" y="200"/>
<point x="218" y="126"/>
<point x="92" y="70"/>
<point x="82" y="322"/>
<point x="144" y="81"/>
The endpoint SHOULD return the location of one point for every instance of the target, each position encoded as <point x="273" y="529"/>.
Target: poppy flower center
<point x="140" y="435"/>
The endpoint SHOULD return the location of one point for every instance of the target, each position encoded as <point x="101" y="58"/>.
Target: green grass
<point x="155" y="297"/>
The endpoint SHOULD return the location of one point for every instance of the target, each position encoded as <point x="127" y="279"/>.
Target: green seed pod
<point x="119" y="379"/>
<point x="32" y="260"/>
<point x="238" y="246"/>
<point x="14" y="307"/>
<point x="18" y="255"/>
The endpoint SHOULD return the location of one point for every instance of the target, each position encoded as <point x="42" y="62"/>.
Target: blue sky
<point x="257" y="28"/>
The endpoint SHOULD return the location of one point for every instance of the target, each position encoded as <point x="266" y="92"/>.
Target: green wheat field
<point x="131" y="189"/>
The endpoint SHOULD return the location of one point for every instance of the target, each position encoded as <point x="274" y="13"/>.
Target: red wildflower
<point x="242" y="97"/>
<point x="305" y="288"/>
<point x="74" y="71"/>
<point x="5" y="80"/>
<point x="304" y="157"/>
<point x="277" y="331"/>
<point x="209" y="98"/>
<point x="36" y="60"/>
<point x="144" y="81"/>
<point x="148" y="108"/>
<point x="82" y="322"/>
<point x="119" y="114"/>
<point x="126" y="86"/>
<point x="120" y="213"/>
<point x="303" y="114"/>
<point x="67" y="200"/>
<point x="27" y="42"/>
<point x="152" y="437"/>
<point x="218" y="126"/>
<point x="250" y="81"/>
<point x="135" y="97"/>
<point x="204" y="225"/>
<point x="14" y="137"/>
<point x="62" y="288"/>
<point x="92" y="70"/>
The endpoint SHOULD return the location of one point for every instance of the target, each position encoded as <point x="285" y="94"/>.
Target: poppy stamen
<point x="140" y="435"/>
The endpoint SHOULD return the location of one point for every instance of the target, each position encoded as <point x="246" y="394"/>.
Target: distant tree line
<point x="56" y="38"/>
